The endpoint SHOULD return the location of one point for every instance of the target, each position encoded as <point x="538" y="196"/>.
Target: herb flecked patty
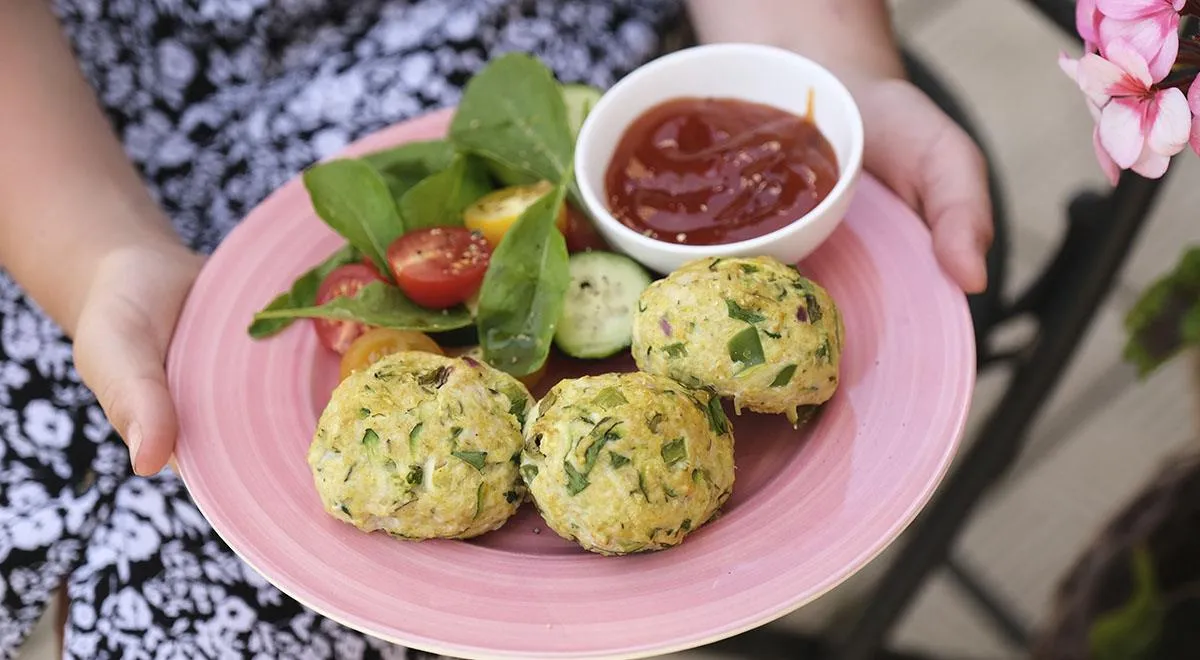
<point x="753" y="329"/>
<point x="624" y="463"/>
<point x="422" y="446"/>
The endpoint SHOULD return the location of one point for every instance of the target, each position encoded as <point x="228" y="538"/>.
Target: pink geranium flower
<point x="1193" y="98"/>
<point x="1087" y="22"/>
<point x="1150" y="27"/>
<point x="1071" y="67"/>
<point x="1140" y="127"/>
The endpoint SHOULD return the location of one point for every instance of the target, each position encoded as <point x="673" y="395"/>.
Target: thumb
<point x="125" y="370"/>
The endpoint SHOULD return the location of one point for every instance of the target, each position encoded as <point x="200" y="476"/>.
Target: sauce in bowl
<point x="705" y="171"/>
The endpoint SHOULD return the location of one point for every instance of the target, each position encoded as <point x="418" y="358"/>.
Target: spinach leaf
<point x="512" y="114"/>
<point x="522" y="294"/>
<point x="414" y="158"/>
<point x="439" y="200"/>
<point x="302" y="294"/>
<point x="380" y="305"/>
<point x="354" y="200"/>
<point x="403" y="167"/>
<point x="674" y="451"/>
<point x="476" y="459"/>
<point x="784" y="376"/>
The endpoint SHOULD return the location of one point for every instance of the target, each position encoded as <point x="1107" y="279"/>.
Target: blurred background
<point x="1104" y="434"/>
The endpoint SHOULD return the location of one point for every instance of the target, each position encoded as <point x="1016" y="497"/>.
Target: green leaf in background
<point x="407" y="165"/>
<point x="1132" y="631"/>
<point x="302" y="294"/>
<point x="1166" y="318"/>
<point x="380" y="305"/>
<point x="512" y="114"/>
<point x="522" y="294"/>
<point x="439" y="200"/>
<point x="354" y="200"/>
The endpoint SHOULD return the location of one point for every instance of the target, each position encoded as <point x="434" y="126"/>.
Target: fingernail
<point x="133" y="437"/>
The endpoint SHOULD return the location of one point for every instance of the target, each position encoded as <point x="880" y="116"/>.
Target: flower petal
<point x="1121" y="131"/>
<point x="1117" y="47"/>
<point x="1087" y="19"/>
<point x="1100" y="79"/>
<point x="1070" y="66"/>
<point x="1151" y="165"/>
<point x="1132" y="9"/>
<point x="1170" y="122"/>
<point x="1195" y="138"/>
<point x="1194" y="96"/>
<point x="1161" y="65"/>
<point x="1107" y="165"/>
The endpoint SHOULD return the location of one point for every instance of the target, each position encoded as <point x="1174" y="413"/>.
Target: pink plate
<point x="808" y="510"/>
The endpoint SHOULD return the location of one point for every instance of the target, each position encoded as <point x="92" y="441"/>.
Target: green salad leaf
<point x="523" y="292"/>
<point x="380" y="305"/>
<point x="1166" y="319"/>
<point x="405" y="166"/>
<point x="439" y="200"/>
<point x="302" y="294"/>
<point x="353" y="199"/>
<point x="512" y="114"/>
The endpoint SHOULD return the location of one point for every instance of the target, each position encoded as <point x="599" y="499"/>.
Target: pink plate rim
<point x="188" y="371"/>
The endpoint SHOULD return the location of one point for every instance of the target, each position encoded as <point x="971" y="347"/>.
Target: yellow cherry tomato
<point x="496" y="212"/>
<point x="377" y="343"/>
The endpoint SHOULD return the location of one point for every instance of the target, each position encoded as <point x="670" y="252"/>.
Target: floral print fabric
<point x="218" y="102"/>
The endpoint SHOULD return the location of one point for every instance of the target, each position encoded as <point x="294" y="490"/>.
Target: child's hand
<point x="121" y="339"/>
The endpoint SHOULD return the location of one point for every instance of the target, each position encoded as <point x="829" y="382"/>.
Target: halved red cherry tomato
<point x="439" y="267"/>
<point x="366" y="261"/>
<point x="343" y="281"/>
<point x="580" y="233"/>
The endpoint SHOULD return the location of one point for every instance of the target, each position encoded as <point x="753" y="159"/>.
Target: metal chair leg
<point x="1102" y="232"/>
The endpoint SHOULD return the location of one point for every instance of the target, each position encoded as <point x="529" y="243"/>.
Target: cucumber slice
<point x="580" y="100"/>
<point x="597" y="316"/>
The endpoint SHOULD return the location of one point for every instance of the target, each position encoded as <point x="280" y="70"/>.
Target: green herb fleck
<point x="617" y="460"/>
<point x="413" y="435"/>
<point x="600" y="436"/>
<point x="516" y="406"/>
<point x="772" y="335"/>
<point x="814" y="308"/>
<point x="416" y="475"/>
<point x="716" y="415"/>
<point x="576" y="482"/>
<point x="676" y="350"/>
<point x="435" y="378"/>
<point x="610" y="397"/>
<point x="674" y="451"/>
<point x="823" y="350"/>
<point x="686" y="524"/>
<point x="370" y="438"/>
<point x="511" y="496"/>
<point x="528" y="472"/>
<point x="345" y="509"/>
<point x="784" y="376"/>
<point x="642" y="486"/>
<point x="350" y="472"/>
<point x="654" y="421"/>
<point x="749" y="269"/>
<point x="479" y="498"/>
<point x="670" y="492"/>
<point x="475" y="459"/>
<point x="699" y="475"/>
<point x="713" y="266"/>
<point x="740" y="313"/>
<point x="746" y="349"/>
<point x="363" y="413"/>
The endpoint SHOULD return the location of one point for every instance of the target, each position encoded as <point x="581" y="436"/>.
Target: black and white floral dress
<point x="218" y="102"/>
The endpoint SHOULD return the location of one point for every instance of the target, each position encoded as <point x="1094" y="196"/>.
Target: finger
<point x="130" y="383"/>
<point x="953" y="193"/>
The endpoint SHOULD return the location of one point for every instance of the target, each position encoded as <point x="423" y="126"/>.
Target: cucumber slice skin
<point x="597" y="317"/>
<point x="579" y="99"/>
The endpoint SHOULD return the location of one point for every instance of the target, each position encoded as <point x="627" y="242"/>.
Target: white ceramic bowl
<point x="759" y="74"/>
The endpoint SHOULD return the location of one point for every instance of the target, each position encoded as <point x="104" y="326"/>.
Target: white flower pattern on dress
<point x="217" y="103"/>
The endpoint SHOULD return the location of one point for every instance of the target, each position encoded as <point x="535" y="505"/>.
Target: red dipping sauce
<point x="708" y="171"/>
